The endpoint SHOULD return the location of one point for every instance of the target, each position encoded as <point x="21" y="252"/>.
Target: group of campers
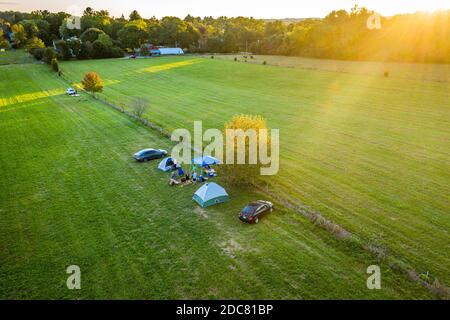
<point x="192" y="177"/>
<point x="200" y="171"/>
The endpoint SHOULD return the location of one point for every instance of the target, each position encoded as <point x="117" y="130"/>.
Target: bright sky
<point x="231" y="8"/>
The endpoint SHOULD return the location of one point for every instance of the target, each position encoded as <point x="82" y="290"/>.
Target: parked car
<point x="254" y="210"/>
<point x="71" y="91"/>
<point x="149" y="154"/>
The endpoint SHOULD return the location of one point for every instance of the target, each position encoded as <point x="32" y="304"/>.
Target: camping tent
<point x="205" y="161"/>
<point x="209" y="194"/>
<point x="166" y="164"/>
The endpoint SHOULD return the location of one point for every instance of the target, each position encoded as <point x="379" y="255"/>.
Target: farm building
<point x="167" y="51"/>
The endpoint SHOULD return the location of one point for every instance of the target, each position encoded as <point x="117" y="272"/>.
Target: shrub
<point x="212" y="57"/>
<point x="92" y="82"/>
<point x="235" y="59"/>
<point x="100" y="50"/>
<point x="48" y="55"/>
<point x="91" y="34"/>
<point x="105" y="39"/>
<point x="117" y="52"/>
<point x="34" y="43"/>
<point x="85" y="51"/>
<point x="264" y="62"/>
<point x="63" y="50"/>
<point x="37" y="53"/>
<point x="55" y="65"/>
<point x="139" y="106"/>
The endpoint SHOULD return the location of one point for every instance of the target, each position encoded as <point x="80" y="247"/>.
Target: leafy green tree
<point x="19" y="36"/>
<point x="30" y="27"/>
<point x="34" y="43"/>
<point x="55" y="20"/>
<point x="95" y="19"/>
<point x="114" y="27"/>
<point x="134" y="34"/>
<point x="170" y="30"/>
<point x="4" y="44"/>
<point x="134" y="15"/>
<point x="43" y="31"/>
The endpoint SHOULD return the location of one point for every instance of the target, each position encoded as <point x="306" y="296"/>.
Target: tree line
<point x="419" y="37"/>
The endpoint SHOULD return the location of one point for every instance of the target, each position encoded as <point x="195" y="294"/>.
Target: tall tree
<point x="134" y="15"/>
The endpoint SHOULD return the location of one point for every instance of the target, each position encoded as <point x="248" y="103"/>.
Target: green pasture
<point x="72" y="195"/>
<point x="370" y="153"/>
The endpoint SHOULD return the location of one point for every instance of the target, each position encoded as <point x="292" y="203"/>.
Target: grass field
<point x="414" y="71"/>
<point x="15" y="57"/>
<point x="370" y="153"/>
<point x="71" y="194"/>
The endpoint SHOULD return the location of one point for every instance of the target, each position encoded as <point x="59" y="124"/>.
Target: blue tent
<point x="166" y="164"/>
<point x="209" y="194"/>
<point x="205" y="161"/>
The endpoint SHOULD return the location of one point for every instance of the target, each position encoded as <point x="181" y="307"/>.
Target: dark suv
<point x="253" y="211"/>
<point x="149" y="154"/>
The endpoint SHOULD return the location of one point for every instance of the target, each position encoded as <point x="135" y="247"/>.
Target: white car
<point x="71" y="91"/>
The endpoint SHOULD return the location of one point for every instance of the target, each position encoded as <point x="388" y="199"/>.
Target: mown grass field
<point x="71" y="194"/>
<point x="415" y="71"/>
<point x="15" y="57"/>
<point x="369" y="152"/>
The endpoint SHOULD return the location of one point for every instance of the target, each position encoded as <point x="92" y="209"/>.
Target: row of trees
<point x="420" y="37"/>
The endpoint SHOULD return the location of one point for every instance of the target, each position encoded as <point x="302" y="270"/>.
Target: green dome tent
<point x="210" y="194"/>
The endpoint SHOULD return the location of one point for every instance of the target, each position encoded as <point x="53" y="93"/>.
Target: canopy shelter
<point x="167" y="164"/>
<point x="210" y="194"/>
<point x="205" y="161"/>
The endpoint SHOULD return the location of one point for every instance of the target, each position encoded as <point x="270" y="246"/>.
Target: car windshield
<point x="142" y="152"/>
<point x="250" y="209"/>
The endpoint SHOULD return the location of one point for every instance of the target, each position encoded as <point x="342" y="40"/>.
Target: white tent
<point x="166" y="164"/>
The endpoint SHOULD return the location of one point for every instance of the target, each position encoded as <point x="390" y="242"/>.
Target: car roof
<point x="254" y="204"/>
